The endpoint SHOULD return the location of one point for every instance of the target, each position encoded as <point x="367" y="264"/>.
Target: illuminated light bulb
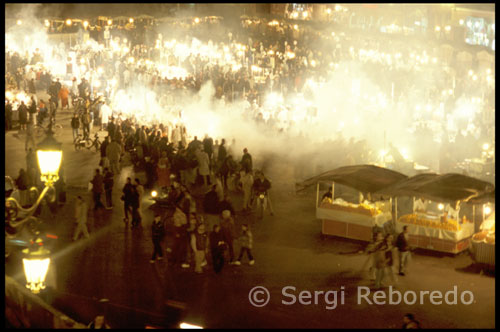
<point x="488" y="71"/>
<point x="328" y="11"/>
<point x="313" y="63"/>
<point x="438" y="28"/>
<point x="110" y="22"/>
<point x="68" y="22"/>
<point x="486" y="146"/>
<point x="19" y="22"/>
<point x="447" y="28"/>
<point x="461" y="22"/>
<point x="305" y="14"/>
<point x="47" y="23"/>
<point x="471" y="72"/>
<point x="296" y="27"/>
<point x="440" y="206"/>
<point x="154" y="193"/>
<point x="338" y="8"/>
<point x="333" y="34"/>
<point x="487" y="210"/>
<point x="196" y="20"/>
<point x="85" y="24"/>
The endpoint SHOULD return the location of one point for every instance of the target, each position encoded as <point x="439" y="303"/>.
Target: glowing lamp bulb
<point x="68" y="22"/>
<point x="131" y="20"/>
<point x="487" y="210"/>
<point x="461" y="22"/>
<point x="197" y="20"/>
<point x="471" y="72"/>
<point x="110" y="22"/>
<point x="85" y="24"/>
<point x="440" y="206"/>
<point x="19" y="22"/>
<point x="154" y="193"/>
<point x="328" y="11"/>
<point x="486" y="146"/>
<point x="47" y="23"/>
<point x="35" y="270"/>
<point x="438" y="28"/>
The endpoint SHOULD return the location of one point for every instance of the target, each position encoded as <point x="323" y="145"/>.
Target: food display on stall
<point x="365" y="208"/>
<point x="343" y="218"/>
<point x="438" y="228"/>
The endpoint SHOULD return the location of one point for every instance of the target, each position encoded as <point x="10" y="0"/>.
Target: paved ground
<point x="114" y="264"/>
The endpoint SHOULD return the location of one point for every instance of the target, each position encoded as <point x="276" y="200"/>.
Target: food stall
<point x="435" y="221"/>
<point x="353" y="218"/>
<point x="483" y="242"/>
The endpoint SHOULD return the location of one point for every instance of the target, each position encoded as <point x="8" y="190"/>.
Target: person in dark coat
<point x="97" y="189"/>
<point x="8" y="115"/>
<point x="158" y="232"/>
<point x="128" y="198"/>
<point x="23" y="115"/>
<point x="108" y="187"/>
<point x="246" y="161"/>
<point x="217" y="247"/>
<point x="208" y="144"/>
<point x="227" y="228"/>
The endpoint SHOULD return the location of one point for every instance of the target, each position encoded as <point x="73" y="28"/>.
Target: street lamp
<point x="36" y="261"/>
<point x="36" y="265"/>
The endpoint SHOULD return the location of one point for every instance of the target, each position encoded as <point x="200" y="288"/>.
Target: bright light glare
<point x="49" y="162"/>
<point x="68" y="22"/>
<point x="35" y="271"/>
<point x="440" y="206"/>
<point x="154" y="193"/>
<point x="486" y="146"/>
<point x="189" y="326"/>
<point x="85" y="24"/>
<point x="487" y="210"/>
<point x="19" y="22"/>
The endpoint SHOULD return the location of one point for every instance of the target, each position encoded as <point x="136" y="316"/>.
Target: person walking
<point x="128" y="198"/>
<point x="81" y="212"/>
<point x="246" y="161"/>
<point x="30" y="137"/>
<point x="217" y="248"/>
<point x="379" y="263"/>
<point x="246" y="242"/>
<point x="135" y="203"/>
<point x="227" y="227"/>
<point x="181" y="238"/>
<point x="63" y="96"/>
<point x="199" y="244"/>
<point x="86" y="120"/>
<point x="75" y="124"/>
<point x="389" y="257"/>
<point x="404" y="250"/>
<point x="23" y="115"/>
<point x="113" y="153"/>
<point x="246" y="179"/>
<point x="108" y="187"/>
<point x="158" y="232"/>
<point x="140" y="194"/>
<point x="97" y="189"/>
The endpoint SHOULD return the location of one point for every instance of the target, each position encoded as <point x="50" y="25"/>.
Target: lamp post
<point x="36" y="261"/>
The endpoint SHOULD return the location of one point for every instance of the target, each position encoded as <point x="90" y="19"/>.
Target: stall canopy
<point x="485" y="198"/>
<point x="365" y="178"/>
<point x="446" y="187"/>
